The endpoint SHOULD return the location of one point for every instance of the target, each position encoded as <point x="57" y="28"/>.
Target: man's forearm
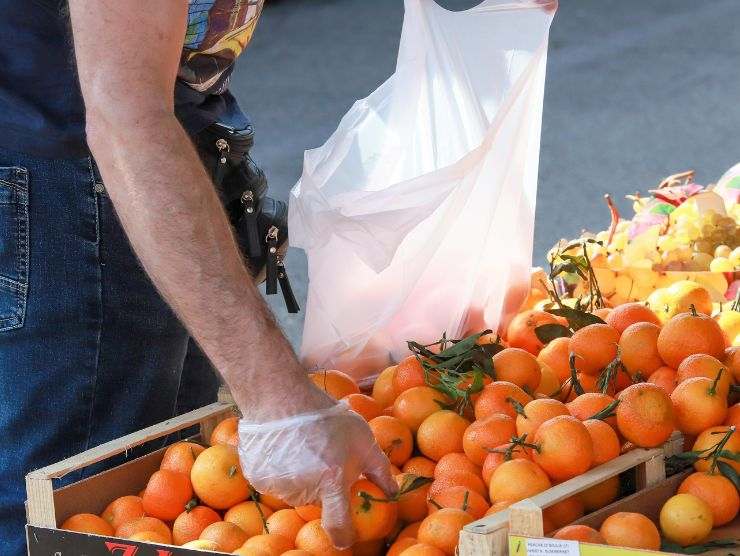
<point x="178" y="228"/>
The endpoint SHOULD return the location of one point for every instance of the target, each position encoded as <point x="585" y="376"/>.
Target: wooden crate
<point x="526" y="522"/>
<point x="47" y="506"/>
<point x="490" y="536"/>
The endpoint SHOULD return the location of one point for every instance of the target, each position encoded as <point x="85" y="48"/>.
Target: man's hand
<point x="315" y="458"/>
<point x="128" y="54"/>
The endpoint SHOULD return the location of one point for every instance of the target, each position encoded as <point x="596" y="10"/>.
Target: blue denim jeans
<point x="89" y="351"/>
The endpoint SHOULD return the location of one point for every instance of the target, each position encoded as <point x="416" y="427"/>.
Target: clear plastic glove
<point x="315" y="458"/>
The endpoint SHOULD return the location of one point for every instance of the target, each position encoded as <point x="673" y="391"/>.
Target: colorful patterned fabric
<point x="218" y="31"/>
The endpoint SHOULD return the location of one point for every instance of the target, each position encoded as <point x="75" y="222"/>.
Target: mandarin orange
<point x="519" y="367"/>
<point x="595" y="346"/>
<point x="459" y="497"/>
<point x="521" y="330"/>
<point x="363" y="405"/>
<point x="441" y="433"/>
<point x="565" y="448"/>
<point x="639" y="349"/>
<point x="623" y="316"/>
<point x="372" y="520"/>
<point x="248" y="516"/>
<point x="88" y="523"/>
<point x="495" y="398"/>
<point x="384" y="392"/>
<point x="555" y="355"/>
<point x="166" y="494"/>
<point x="516" y="480"/>
<point x="665" y="377"/>
<point x="606" y="445"/>
<point x="412" y="506"/>
<point x="181" y="456"/>
<point x="688" y="334"/>
<point x="706" y="366"/>
<point x="442" y="529"/>
<point x="580" y="533"/>
<point x="499" y="455"/>
<point x="697" y="405"/>
<point x="190" y="524"/>
<point x="645" y="415"/>
<point x="123" y="509"/>
<point x="335" y="383"/>
<point x="393" y="437"/>
<point x="630" y="530"/>
<point x="414" y="405"/>
<point x="537" y="412"/>
<point x="223" y="431"/>
<point x="483" y="435"/>
<point x="217" y="477"/>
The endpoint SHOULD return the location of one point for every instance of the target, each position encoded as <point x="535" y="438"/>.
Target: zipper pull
<point x="250" y="222"/>
<point x="290" y="301"/>
<point x="271" y="278"/>
<point x="223" y="150"/>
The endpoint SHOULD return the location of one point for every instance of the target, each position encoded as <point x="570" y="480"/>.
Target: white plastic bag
<point x="417" y="214"/>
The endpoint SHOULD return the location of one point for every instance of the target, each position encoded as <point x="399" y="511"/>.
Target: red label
<point x="122" y="549"/>
<point x="130" y="550"/>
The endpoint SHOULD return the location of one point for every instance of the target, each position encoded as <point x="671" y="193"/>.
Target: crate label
<point x="552" y="547"/>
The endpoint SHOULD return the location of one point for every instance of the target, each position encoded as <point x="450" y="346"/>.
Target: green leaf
<point x="687" y="456"/>
<point x="576" y="319"/>
<point x="564" y="268"/>
<point x="609" y="374"/>
<point x="411" y="483"/>
<point x="574" y="382"/>
<point x="728" y="471"/>
<point x="518" y="407"/>
<point x="727" y="454"/>
<point x="546" y="333"/>
<point x="476" y="385"/>
<point x="491" y="349"/>
<point x="418" y="349"/>
<point x="608" y="411"/>
<point x="462" y="346"/>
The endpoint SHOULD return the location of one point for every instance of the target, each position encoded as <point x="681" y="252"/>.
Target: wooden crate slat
<point x="125" y="443"/>
<point x="41" y="507"/>
<point x="489" y="535"/>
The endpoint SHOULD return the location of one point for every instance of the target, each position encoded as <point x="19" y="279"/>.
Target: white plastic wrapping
<point x="417" y="214"/>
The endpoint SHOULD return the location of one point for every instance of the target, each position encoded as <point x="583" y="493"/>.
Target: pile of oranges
<point x="543" y="413"/>
<point x="704" y="500"/>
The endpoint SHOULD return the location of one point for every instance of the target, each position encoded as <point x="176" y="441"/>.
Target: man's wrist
<point x="281" y="399"/>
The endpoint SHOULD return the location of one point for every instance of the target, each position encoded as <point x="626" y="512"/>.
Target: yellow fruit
<point x="686" y="519"/>
<point x="659" y="303"/>
<point x="721" y="264"/>
<point x="684" y="293"/>
<point x="729" y="322"/>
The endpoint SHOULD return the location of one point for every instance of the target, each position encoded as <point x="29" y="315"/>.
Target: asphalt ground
<point x="635" y="91"/>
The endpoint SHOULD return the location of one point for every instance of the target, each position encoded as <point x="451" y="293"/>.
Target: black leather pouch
<point x="259" y="221"/>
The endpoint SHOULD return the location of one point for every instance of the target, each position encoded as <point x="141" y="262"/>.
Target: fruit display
<point x="474" y="425"/>
<point x="632" y="333"/>
<point x="701" y="501"/>
<point x="680" y="231"/>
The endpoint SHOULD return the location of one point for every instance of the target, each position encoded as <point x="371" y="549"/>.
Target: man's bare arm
<point x="128" y="54"/>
